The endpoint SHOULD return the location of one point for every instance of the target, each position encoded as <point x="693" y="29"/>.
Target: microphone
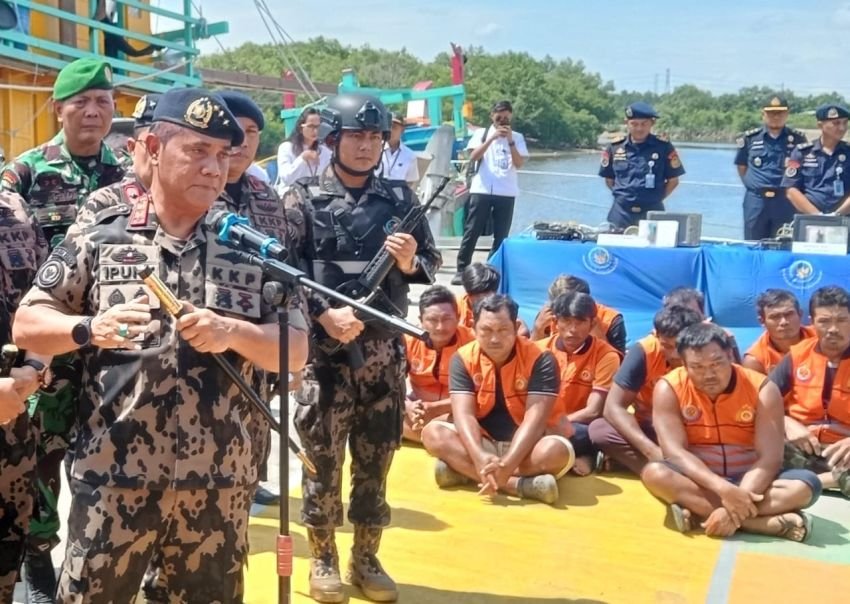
<point x="236" y="231"/>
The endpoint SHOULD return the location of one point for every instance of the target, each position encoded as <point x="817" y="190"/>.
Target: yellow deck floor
<point x="605" y="541"/>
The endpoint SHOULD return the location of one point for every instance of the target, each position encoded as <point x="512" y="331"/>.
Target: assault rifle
<point x="366" y="288"/>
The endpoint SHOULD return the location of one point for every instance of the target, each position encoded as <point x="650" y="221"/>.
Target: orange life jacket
<point x="721" y="433"/>
<point x="764" y="352"/>
<point x="656" y="368"/>
<point x="605" y="316"/>
<point x="577" y="371"/>
<point x="829" y="422"/>
<point x="464" y="311"/>
<point x="428" y="369"/>
<point x="514" y="376"/>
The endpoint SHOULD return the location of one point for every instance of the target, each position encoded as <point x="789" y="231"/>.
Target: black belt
<point x="769" y="192"/>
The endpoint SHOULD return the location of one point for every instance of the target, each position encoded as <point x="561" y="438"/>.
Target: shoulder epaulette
<point x="118" y="209"/>
<point x="616" y="139"/>
<point x="805" y="145"/>
<point x="752" y="131"/>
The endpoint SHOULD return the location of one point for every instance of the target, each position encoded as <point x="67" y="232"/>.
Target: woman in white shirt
<point x="302" y="155"/>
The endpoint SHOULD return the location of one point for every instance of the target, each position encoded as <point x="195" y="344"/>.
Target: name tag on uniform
<point x="838" y="187"/>
<point x="232" y="286"/>
<point x="649" y="181"/>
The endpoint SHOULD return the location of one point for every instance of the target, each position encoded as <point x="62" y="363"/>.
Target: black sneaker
<point x="457" y="279"/>
<point x="263" y="496"/>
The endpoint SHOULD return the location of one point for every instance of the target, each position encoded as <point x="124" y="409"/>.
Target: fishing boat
<point x="606" y="540"/>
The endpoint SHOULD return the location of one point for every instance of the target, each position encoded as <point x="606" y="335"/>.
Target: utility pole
<point x="655" y="87"/>
<point x="667" y="82"/>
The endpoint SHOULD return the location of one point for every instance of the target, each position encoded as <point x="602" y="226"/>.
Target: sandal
<point x="682" y="521"/>
<point x="787" y="527"/>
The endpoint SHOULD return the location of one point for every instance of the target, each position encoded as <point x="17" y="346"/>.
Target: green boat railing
<point x="179" y="44"/>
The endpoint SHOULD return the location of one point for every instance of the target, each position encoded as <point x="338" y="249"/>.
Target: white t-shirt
<point x="398" y="165"/>
<point x="257" y="172"/>
<point x="497" y="174"/>
<point x="290" y="168"/>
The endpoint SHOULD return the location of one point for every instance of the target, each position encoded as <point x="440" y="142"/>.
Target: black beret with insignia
<point x="199" y="110"/>
<point x="143" y="113"/>
<point x="831" y="111"/>
<point x="241" y="105"/>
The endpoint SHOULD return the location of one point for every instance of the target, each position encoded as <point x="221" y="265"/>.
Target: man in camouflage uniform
<point x="22" y="249"/>
<point x="54" y="179"/>
<point x="163" y="462"/>
<point x="348" y="217"/>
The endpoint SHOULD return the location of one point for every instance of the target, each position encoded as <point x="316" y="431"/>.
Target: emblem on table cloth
<point x="802" y="274"/>
<point x="600" y="261"/>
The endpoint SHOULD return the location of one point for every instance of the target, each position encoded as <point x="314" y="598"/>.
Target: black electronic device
<point x="690" y="226"/>
<point x="822" y="228"/>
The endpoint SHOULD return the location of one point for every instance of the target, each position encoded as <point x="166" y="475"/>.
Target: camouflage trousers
<point x="54" y="412"/>
<point x="199" y="538"/>
<point x="364" y="407"/>
<point x="795" y="457"/>
<point x="17" y="494"/>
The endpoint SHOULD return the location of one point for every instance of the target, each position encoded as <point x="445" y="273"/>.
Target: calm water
<point x="710" y="187"/>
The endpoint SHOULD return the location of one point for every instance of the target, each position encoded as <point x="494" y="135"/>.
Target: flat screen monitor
<point x="817" y="228"/>
<point x="690" y="226"/>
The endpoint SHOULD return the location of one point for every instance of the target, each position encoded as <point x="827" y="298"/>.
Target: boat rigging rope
<point x="282" y="41"/>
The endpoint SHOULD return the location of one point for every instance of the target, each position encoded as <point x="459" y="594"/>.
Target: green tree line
<point x="558" y="103"/>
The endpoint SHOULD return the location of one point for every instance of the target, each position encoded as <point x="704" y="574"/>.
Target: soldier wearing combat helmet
<point x="340" y="220"/>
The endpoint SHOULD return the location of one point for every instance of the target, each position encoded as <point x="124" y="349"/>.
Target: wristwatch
<point x="45" y="376"/>
<point x="81" y="334"/>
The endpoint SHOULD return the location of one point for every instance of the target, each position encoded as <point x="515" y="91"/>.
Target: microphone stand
<point x="282" y="281"/>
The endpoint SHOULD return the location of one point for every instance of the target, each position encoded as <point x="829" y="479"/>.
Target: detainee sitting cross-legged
<point x="428" y="362"/>
<point x="503" y="390"/>
<point x="720" y="427"/>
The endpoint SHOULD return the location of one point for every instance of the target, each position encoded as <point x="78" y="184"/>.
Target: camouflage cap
<point x="143" y="113"/>
<point x="199" y="110"/>
<point x="81" y="75"/>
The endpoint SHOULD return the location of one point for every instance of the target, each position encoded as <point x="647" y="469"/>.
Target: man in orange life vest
<point x="428" y="365"/>
<point x="628" y="439"/>
<point x="814" y="378"/>
<point x="479" y="281"/>
<point x="720" y="427"/>
<point x="780" y="313"/>
<point x="587" y="366"/>
<point x="503" y="390"/>
<point x="609" y="325"/>
<point x="693" y="298"/>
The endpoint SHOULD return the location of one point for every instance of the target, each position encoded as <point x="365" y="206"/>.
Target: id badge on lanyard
<point x="649" y="180"/>
<point x="838" y="183"/>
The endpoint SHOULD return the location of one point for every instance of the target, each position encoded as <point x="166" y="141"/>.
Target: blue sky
<point x="721" y="45"/>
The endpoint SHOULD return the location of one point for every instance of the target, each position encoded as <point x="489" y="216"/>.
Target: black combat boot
<point x="365" y="570"/>
<point x="39" y="574"/>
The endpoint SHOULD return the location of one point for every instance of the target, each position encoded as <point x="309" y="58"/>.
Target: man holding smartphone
<point x="499" y="152"/>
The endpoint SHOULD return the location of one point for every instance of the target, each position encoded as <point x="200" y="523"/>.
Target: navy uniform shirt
<point x="640" y="171"/>
<point x="815" y="173"/>
<point x="766" y="157"/>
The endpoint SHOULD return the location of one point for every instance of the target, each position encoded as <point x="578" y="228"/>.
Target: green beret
<point x="81" y="75"/>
